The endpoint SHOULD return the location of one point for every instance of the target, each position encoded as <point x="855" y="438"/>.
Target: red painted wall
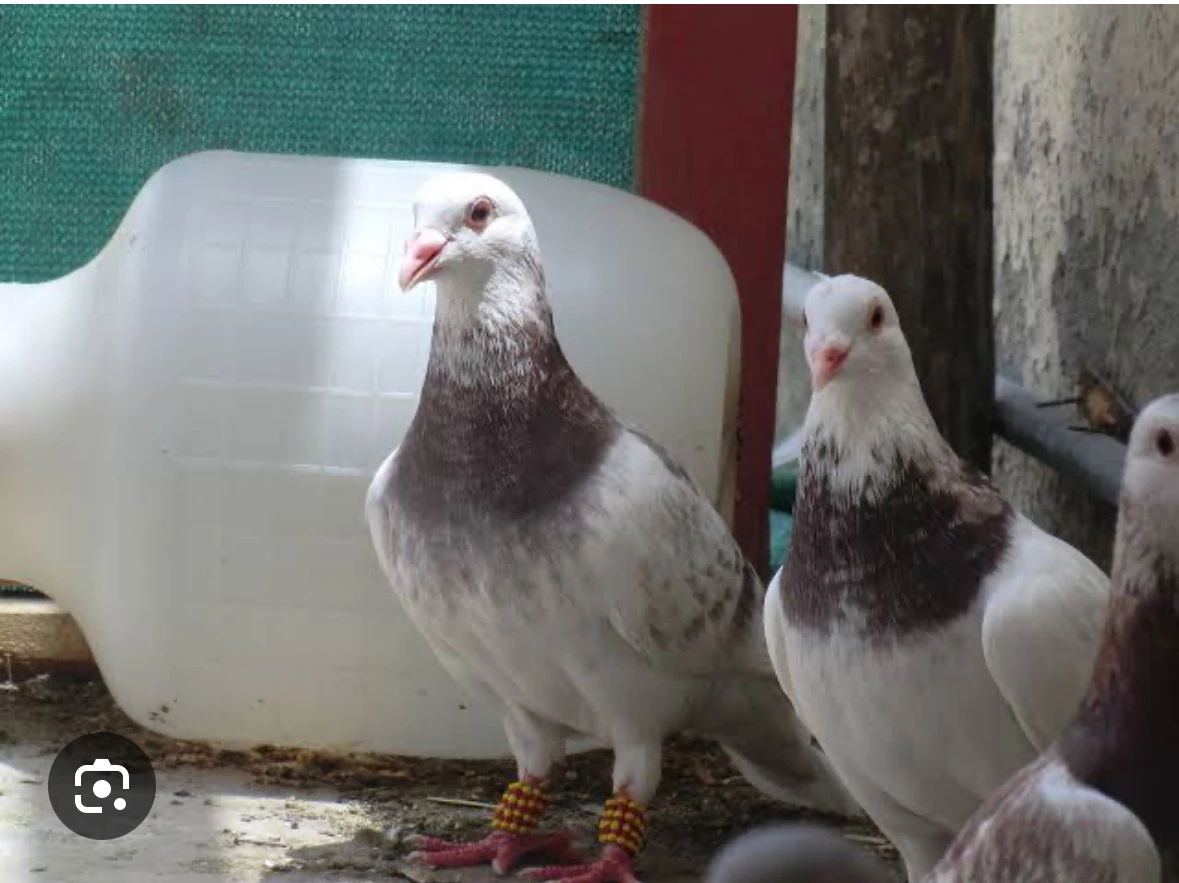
<point x="714" y="146"/>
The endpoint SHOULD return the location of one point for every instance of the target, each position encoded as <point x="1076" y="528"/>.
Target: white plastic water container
<point x="189" y="423"/>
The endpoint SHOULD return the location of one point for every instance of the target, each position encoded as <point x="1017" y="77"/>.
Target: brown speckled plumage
<point x="510" y="445"/>
<point x="1025" y="844"/>
<point x="908" y="555"/>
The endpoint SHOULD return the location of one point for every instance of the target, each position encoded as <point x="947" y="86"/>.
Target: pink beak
<point x="421" y="254"/>
<point x="826" y="362"/>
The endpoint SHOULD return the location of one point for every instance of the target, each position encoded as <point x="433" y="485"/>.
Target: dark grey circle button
<point x="102" y="786"/>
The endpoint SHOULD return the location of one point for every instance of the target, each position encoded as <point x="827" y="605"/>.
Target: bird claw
<point x="499" y="849"/>
<point x="614" y="866"/>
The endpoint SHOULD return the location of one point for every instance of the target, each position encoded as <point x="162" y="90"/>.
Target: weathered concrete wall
<point x="1086" y="222"/>
<point x="1086" y="218"/>
<point x="804" y="204"/>
<point x="804" y="235"/>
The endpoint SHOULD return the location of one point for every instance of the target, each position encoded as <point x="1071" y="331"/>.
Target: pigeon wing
<point x="1045" y="609"/>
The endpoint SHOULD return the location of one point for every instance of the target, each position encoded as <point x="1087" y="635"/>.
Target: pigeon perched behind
<point x="934" y="640"/>
<point x="1099" y="805"/>
<point x="793" y="853"/>
<point x="560" y="563"/>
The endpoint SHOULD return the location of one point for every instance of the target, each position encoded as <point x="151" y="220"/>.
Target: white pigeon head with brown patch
<point x="866" y="400"/>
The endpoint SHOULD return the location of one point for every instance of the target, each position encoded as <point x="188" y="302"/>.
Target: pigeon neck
<point x="873" y="430"/>
<point x="1123" y="740"/>
<point x="505" y="430"/>
<point x="492" y="333"/>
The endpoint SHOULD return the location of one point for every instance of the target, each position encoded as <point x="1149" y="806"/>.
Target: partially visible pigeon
<point x="1099" y="805"/>
<point x="934" y="640"/>
<point x="793" y="853"/>
<point x="561" y="563"/>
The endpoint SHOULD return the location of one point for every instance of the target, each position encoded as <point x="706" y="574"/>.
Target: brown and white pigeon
<point x="934" y="640"/>
<point x="561" y="563"/>
<point x="1099" y="805"/>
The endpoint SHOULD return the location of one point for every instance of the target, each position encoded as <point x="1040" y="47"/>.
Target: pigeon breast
<point x="907" y="554"/>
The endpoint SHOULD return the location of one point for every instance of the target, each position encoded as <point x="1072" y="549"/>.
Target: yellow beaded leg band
<point x="623" y="824"/>
<point x="520" y="808"/>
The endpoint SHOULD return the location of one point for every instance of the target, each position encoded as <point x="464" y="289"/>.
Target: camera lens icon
<point x="102" y="786"/>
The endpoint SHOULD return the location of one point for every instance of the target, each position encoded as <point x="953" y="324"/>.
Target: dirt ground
<point x="297" y="816"/>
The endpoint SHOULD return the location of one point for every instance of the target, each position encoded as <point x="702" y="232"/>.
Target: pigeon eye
<point x="479" y="213"/>
<point x="876" y="318"/>
<point x="1165" y="443"/>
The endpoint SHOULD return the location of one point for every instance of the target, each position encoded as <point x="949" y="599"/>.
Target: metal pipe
<point x="1092" y="459"/>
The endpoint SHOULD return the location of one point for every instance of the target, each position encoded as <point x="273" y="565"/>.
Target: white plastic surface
<point x="188" y="425"/>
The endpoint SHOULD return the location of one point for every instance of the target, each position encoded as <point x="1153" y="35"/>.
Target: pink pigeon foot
<point x="614" y="866"/>
<point x="499" y="849"/>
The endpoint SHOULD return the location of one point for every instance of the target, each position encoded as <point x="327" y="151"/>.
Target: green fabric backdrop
<point x="94" y="99"/>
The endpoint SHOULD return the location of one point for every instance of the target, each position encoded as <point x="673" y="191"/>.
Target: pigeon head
<point x="793" y="853"/>
<point x="866" y="400"/>
<point x="853" y="335"/>
<point x="1150" y="483"/>
<point x="467" y="226"/>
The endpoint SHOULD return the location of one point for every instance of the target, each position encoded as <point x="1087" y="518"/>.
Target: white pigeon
<point x="560" y="563"/>
<point x="933" y="640"/>
<point x="1099" y="805"/>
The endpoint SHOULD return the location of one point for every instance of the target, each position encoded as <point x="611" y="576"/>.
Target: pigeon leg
<point x="622" y="831"/>
<point x="513" y="837"/>
<point x="538" y="746"/>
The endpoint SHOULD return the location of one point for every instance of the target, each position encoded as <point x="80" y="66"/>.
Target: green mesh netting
<point x="17" y="590"/>
<point x="95" y="99"/>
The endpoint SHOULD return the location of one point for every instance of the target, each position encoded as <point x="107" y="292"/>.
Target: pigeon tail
<point x="817" y="787"/>
<point x="756" y="726"/>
